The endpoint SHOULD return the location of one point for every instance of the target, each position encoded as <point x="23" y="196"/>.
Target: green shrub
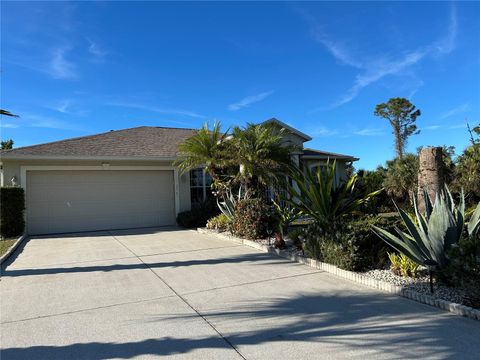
<point x="296" y="233"/>
<point x="370" y="181"/>
<point x="371" y="251"/>
<point x="198" y="216"/>
<point x="463" y="269"/>
<point x="467" y="173"/>
<point x="220" y="222"/>
<point x="343" y="254"/>
<point x="351" y="246"/>
<point x="331" y="247"/>
<point x="12" y="221"/>
<point x="402" y="265"/>
<point x="252" y="219"/>
<point x="401" y="178"/>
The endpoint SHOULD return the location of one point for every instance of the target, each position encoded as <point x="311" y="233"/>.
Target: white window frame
<point x="204" y="186"/>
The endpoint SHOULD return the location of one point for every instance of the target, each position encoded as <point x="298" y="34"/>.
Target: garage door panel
<point x="70" y="201"/>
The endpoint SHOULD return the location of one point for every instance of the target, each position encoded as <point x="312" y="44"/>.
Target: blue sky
<point x="73" y="69"/>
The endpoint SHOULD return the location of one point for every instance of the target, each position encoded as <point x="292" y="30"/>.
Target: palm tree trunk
<point x="430" y="174"/>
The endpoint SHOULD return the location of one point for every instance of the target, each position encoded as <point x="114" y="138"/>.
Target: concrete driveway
<point x="171" y="292"/>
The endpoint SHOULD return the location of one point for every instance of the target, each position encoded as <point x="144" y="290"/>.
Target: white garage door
<point x="74" y="201"/>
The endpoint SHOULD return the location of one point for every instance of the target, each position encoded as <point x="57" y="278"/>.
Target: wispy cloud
<point x="323" y="131"/>
<point x="431" y="127"/>
<point x="9" y="125"/>
<point x="447" y="43"/>
<point x="67" y="106"/>
<point x="382" y="65"/>
<point x="370" y="132"/>
<point x="458" y="126"/>
<point x="159" y="110"/>
<point x="96" y="50"/>
<point x="63" y="106"/>
<point x="40" y="121"/>
<point x="455" y="111"/>
<point x="338" y="50"/>
<point x="60" y="67"/>
<point x="377" y="70"/>
<point x="249" y="100"/>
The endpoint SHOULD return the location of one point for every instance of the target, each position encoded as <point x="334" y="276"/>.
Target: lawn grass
<point x="5" y="245"/>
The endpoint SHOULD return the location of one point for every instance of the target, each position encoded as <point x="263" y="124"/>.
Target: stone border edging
<point x="12" y="248"/>
<point x="452" y="307"/>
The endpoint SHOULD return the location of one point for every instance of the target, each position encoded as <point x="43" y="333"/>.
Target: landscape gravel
<point x="419" y="284"/>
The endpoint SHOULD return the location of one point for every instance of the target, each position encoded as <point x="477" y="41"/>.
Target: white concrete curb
<point x="455" y="308"/>
<point x="12" y="248"/>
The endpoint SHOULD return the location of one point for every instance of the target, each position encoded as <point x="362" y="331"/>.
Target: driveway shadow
<point x="394" y="328"/>
<point x="257" y="258"/>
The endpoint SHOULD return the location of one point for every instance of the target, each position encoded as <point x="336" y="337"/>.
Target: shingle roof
<point x="144" y="141"/>
<point x="141" y="142"/>
<point x="312" y="153"/>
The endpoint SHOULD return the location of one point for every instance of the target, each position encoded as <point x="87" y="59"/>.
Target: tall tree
<point x="402" y="115"/>
<point x="6" y="144"/>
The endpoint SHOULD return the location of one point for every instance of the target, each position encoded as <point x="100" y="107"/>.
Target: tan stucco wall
<point x="294" y="140"/>
<point x="12" y="168"/>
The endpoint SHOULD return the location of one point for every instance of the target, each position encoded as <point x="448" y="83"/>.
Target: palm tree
<point x="7" y="113"/>
<point x="262" y="154"/>
<point x="206" y="149"/>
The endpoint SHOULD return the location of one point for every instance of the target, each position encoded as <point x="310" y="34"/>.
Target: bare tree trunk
<point x="430" y="174"/>
<point x="398" y="141"/>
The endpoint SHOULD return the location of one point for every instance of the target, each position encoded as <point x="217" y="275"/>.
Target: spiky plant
<point x="228" y="201"/>
<point x="429" y="236"/>
<point x="285" y="215"/>
<point x="317" y="195"/>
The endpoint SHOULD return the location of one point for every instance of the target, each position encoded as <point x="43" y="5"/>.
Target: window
<point x="323" y="172"/>
<point x="200" y="183"/>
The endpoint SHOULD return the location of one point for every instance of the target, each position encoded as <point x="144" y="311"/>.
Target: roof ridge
<point x="171" y="127"/>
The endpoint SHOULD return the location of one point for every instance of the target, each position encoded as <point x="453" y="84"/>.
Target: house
<point x="118" y="179"/>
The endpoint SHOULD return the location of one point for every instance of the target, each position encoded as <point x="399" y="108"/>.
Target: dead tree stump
<point x="430" y="174"/>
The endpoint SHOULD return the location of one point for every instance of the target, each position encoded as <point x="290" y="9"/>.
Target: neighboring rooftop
<point x="142" y="142"/>
<point x="289" y="128"/>
<point x="318" y="154"/>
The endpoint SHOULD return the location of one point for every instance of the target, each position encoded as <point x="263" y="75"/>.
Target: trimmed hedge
<point x="12" y="206"/>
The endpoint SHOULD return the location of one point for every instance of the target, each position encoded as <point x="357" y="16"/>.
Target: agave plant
<point x="229" y="201"/>
<point x="430" y="235"/>
<point x="473" y="227"/>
